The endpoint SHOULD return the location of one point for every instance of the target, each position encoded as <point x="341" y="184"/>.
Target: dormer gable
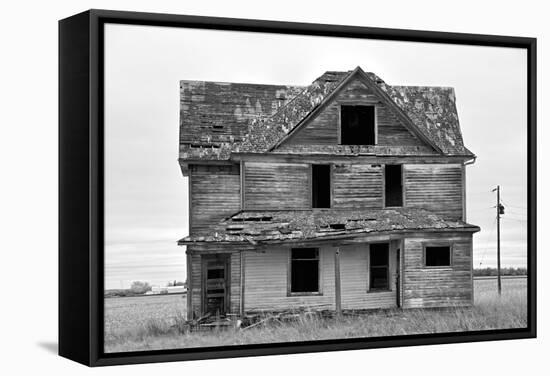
<point x="357" y="113"/>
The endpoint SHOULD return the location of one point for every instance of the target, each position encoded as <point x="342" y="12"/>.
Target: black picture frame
<point x="81" y="185"/>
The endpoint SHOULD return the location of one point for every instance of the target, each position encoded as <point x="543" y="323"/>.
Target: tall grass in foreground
<point x="489" y="312"/>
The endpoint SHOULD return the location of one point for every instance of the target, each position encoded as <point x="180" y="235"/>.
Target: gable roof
<point x="275" y="226"/>
<point x="433" y="110"/>
<point x="359" y="74"/>
<point x="428" y="112"/>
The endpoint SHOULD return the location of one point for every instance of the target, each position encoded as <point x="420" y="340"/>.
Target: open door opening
<point x="215" y="272"/>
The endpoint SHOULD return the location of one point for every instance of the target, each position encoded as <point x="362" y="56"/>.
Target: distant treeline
<point x="487" y="272"/>
<point x="137" y="288"/>
<point x="114" y="293"/>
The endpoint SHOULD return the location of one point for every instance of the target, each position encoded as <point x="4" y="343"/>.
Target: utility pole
<point x="500" y="210"/>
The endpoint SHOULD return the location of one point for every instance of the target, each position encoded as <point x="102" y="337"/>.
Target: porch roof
<point x="279" y="226"/>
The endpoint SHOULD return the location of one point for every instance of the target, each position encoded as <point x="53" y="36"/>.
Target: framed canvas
<point x="234" y="187"/>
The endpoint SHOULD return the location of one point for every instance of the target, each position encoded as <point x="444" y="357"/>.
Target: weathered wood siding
<point x="196" y="284"/>
<point x="277" y="186"/>
<point x="266" y="278"/>
<point x="436" y="187"/>
<point x="215" y="194"/>
<point x="392" y="132"/>
<point x="355" y="276"/>
<point x="235" y="282"/>
<point x="357" y="186"/>
<point x="438" y="286"/>
<point x="324" y="128"/>
<point x="266" y="281"/>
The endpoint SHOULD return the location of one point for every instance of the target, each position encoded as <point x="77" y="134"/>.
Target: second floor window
<point x="357" y="125"/>
<point x="320" y="186"/>
<point x="393" y="181"/>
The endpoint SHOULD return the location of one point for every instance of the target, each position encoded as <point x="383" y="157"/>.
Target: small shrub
<point x="139" y="287"/>
<point x="181" y="324"/>
<point x="156" y="328"/>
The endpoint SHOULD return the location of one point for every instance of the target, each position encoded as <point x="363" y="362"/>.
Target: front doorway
<point x="215" y="284"/>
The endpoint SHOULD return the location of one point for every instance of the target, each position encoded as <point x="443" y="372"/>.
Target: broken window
<point x="320" y="186"/>
<point x="379" y="266"/>
<point x="304" y="270"/>
<point x="357" y="125"/>
<point x="437" y="255"/>
<point x="394" y="185"/>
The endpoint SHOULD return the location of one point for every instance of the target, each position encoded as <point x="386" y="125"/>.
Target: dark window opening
<point x="215" y="273"/>
<point x="394" y="185"/>
<point x="337" y="226"/>
<point x="379" y="266"/>
<point x="438" y="256"/>
<point x="216" y="291"/>
<point x="304" y="270"/>
<point x="320" y="186"/>
<point x="357" y="125"/>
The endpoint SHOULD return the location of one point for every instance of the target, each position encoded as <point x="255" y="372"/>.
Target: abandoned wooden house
<point x="347" y="194"/>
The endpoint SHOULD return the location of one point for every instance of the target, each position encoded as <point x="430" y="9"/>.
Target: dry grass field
<point x="152" y="322"/>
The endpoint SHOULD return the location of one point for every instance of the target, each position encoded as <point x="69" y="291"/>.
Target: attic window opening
<point x="320" y="186"/>
<point x="357" y="125"/>
<point x="304" y="270"/>
<point x="393" y="185"/>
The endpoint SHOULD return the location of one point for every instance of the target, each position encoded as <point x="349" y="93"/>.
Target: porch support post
<point x="337" y="285"/>
<point x="189" y="287"/>
<point x="241" y="306"/>
<point x="402" y="272"/>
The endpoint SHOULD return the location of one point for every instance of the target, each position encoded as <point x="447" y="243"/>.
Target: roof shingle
<point x="279" y="226"/>
<point x="258" y="128"/>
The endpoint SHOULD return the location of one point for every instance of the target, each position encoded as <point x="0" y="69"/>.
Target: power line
<point x="480" y="209"/>
<point x="516" y="213"/>
<point x="515" y="219"/>
<point x="513" y="206"/>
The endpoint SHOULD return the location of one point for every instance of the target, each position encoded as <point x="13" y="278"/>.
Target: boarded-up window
<point x="394" y="185"/>
<point x="304" y="270"/>
<point x="437" y="255"/>
<point x="320" y="189"/>
<point x="379" y="266"/>
<point x="357" y="125"/>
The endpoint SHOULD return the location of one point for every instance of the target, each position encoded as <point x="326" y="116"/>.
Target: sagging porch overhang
<point x="257" y="230"/>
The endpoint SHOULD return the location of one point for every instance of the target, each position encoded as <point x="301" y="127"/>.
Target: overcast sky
<point x="146" y="195"/>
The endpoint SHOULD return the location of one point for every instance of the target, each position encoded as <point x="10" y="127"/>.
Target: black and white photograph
<point x="264" y="188"/>
<point x="279" y="188"/>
